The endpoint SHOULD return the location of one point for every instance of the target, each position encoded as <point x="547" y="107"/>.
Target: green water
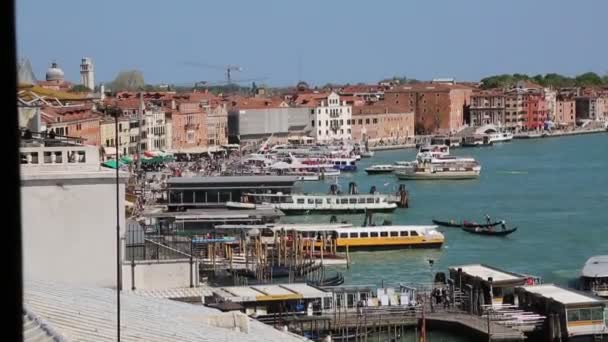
<point x="555" y="190"/>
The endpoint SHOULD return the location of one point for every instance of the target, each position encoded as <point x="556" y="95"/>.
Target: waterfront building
<point x="550" y="103"/>
<point x="565" y="111"/>
<point x="69" y="213"/>
<point x="330" y="119"/>
<point x="592" y="107"/>
<point x="487" y="107"/>
<point x="107" y="135"/>
<point x="258" y="118"/>
<point x="188" y="127"/>
<point x="217" y="123"/>
<point x="155" y="126"/>
<point x="87" y="73"/>
<point x="525" y="109"/>
<point x="571" y="315"/>
<point x="78" y="121"/>
<point x="377" y="122"/>
<point x="205" y="192"/>
<point x="438" y="108"/>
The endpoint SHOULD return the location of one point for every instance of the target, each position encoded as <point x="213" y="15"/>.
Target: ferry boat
<point x="386" y="168"/>
<point x="594" y="276"/>
<point x="370" y="238"/>
<point x="476" y="141"/>
<point x="320" y="203"/>
<point x="500" y="137"/>
<point x="447" y="167"/>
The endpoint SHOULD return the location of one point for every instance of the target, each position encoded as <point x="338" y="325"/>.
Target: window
<point x="394" y="234"/>
<point x="585" y="314"/>
<point x="361" y="200"/>
<point x="344" y="200"/>
<point x="300" y="201"/>
<point x="375" y="121"/>
<point x="404" y="233"/>
<point x="348" y="130"/>
<point x="311" y="201"/>
<point x="312" y="123"/>
<point x="373" y="234"/>
<point x="354" y="235"/>
<point x="370" y="200"/>
<point x="320" y="132"/>
<point x="597" y="314"/>
<point x="352" y="200"/>
<point x="367" y="121"/>
<point x="413" y="233"/>
<point x="360" y="121"/>
<point x="364" y="235"/>
<point x="326" y="123"/>
<point x="383" y="234"/>
<point x="573" y="316"/>
<point x="318" y="201"/>
<point x="343" y="235"/>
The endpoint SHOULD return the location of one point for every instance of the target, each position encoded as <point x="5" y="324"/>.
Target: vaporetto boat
<point x="368" y="238"/>
<point x="320" y="203"/>
<point x="447" y="167"/>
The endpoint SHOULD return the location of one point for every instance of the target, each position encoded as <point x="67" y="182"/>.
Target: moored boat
<point x="467" y="224"/>
<point x="594" y="276"/>
<point x="380" y="168"/>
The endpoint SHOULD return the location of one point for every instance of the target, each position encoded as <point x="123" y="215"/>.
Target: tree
<point x="79" y="88"/>
<point x="128" y="80"/>
<point x="588" y="79"/>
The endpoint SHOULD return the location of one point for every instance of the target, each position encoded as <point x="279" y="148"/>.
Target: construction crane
<point x="228" y="69"/>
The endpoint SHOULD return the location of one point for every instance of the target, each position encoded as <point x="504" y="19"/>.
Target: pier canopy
<point x="570" y="313"/>
<point x="259" y="293"/>
<point x="201" y="192"/>
<point x="486" y="129"/>
<point x="484" y="273"/>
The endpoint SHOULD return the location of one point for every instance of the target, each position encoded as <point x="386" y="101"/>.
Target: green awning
<point x="111" y="163"/>
<point x="126" y="159"/>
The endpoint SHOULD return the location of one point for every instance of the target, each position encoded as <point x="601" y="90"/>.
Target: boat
<point x="367" y="154"/>
<point x="368" y="238"/>
<point x="500" y="137"/>
<point x="594" y="276"/>
<point x="447" y="167"/>
<point x="467" y="224"/>
<point x="476" y="141"/>
<point x="380" y="168"/>
<point x="489" y="231"/>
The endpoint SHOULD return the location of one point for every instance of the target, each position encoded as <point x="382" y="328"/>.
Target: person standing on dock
<point x="488" y="219"/>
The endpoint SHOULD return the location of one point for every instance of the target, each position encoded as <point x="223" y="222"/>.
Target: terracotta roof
<point x="257" y="103"/>
<point x="68" y="114"/>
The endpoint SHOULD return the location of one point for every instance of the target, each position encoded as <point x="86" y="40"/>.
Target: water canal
<point x="555" y="190"/>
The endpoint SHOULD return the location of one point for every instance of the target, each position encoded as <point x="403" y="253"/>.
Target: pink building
<point x="189" y="127"/>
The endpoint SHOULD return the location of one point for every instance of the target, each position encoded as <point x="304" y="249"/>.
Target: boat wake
<point x="514" y="172"/>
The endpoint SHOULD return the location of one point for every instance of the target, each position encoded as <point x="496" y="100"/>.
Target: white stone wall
<point x="156" y="130"/>
<point x="69" y="226"/>
<point x="332" y="120"/>
<point x="162" y="274"/>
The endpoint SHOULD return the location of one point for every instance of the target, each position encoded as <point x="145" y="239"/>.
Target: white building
<point x="87" y="73"/>
<point x="551" y="103"/>
<point x="331" y="121"/>
<point x="68" y="205"/>
<point x="156" y="129"/>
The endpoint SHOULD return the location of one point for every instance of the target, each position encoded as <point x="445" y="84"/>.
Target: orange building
<point x="189" y="127"/>
<point x="378" y="121"/>
<point x="78" y="122"/>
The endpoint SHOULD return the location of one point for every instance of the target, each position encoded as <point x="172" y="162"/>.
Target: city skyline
<point x="465" y="40"/>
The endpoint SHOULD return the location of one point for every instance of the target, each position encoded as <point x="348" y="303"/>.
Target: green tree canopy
<point x="548" y="80"/>
<point x="79" y="88"/>
<point x="128" y="80"/>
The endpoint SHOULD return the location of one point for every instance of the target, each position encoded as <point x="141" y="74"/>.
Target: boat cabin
<point x="571" y="315"/>
<point x="484" y="284"/>
<point x="594" y="276"/>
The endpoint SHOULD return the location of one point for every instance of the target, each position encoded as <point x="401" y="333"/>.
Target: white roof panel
<point x="485" y="272"/>
<point x="596" y="267"/>
<point x="562" y="295"/>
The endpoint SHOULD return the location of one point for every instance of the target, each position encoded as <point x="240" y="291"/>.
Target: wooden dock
<point x="393" y="322"/>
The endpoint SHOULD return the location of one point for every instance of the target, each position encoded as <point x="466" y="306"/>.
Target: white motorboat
<point x="380" y="168"/>
<point x="500" y="137"/>
<point x="594" y="276"/>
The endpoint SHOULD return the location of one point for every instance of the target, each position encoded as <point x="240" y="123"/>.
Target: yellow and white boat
<point x="369" y="238"/>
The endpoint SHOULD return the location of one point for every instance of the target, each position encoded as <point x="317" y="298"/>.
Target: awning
<point x="111" y="164"/>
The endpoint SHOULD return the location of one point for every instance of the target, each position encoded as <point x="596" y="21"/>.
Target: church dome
<point x="54" y="73"/>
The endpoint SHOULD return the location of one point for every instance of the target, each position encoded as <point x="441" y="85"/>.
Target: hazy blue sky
<point x="331" y="40"/>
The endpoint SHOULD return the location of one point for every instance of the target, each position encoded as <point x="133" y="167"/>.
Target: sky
<point x="280" y="42"/>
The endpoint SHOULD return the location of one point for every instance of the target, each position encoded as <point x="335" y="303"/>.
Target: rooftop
<point x="484" y="272"/>
<point x="562" y="295"/>
<point x="269" y="292"/>
<point x="232" y="180"/>
<point x="89" y="314"/>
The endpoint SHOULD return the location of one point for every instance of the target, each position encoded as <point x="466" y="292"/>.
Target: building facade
<point x="217" y="124"/>
<point x="189" y="127"/>
<point x="331" y="120"/>
<point x="378" y="122"/>
<point x="77" y="122"/>
<point x="438" y="108"/>
<point x="487" y="107"/>
<point x="66" y="237"/>
<point x="593" y="108"/>
<point x="107" y="129"/>
<point x="155" y="125"/>
<point x="565" y="111"/>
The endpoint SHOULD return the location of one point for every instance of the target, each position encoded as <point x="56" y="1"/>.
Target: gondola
<point x="489" y="232"/>
<point x="466" y="224"/>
